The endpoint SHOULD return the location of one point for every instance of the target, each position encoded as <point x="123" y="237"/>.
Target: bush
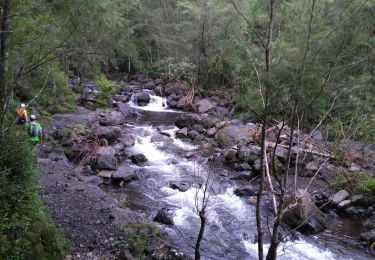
<point x="107" y="88"/>
<point x="355" y="182"/>
<point x="25" y="230"/>
<point x="139" y="235"/>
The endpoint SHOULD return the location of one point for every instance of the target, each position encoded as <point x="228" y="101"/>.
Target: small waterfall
<point x="156" y="104"/>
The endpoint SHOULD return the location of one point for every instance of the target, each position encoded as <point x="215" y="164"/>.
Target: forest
<point x="298" y="75"/>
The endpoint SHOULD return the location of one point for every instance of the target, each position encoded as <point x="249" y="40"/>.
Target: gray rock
<point x="111" y="119"/>
<point x="230" y="155"/>
<point x="194" y="135"/>
<point x="369" y="237"/>
<point x="90" y="94"/>
<point x="121" y="98"/>
<point x="106" y="162"/>
<point x="200" y="129"/>
<point x="159" y="138"/>
<point x="249" y="153"/>
<point x="106" y="150"/>
<point x="188" y="120"/>
<point x="339" y="196"/>
<point x="149" y="85"/>
<point x="124" y="174"/>
<point x="107" y="132"/>
<point x="211" y="132"/>
<point x="142" y="98"/>
<point x="138" y="158"/>
<point x="180" y="185"/>
<point x="118" y="147"/>
<point x="204" y="105"/>
<point x="127" y="140"/>
<point x="94" y="180"/>
<point x="257" y="166"/>
<point x="344" y="204"/>
<point x="208" y="149"/>
<point x="242" y="167"/>
<point x="242" y="176"/>
<point x="182" y="133"/>
<point x="303" y="213"/>
<point x="232" y="134"/>
<point x="245" y="191"/>
<point x="164" y="216"/>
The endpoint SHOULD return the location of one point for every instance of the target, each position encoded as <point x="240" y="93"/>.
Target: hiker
<point x="34" y="130"/>
<point x="21" y="115"/>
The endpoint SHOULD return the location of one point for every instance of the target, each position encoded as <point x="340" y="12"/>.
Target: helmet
<point x="23" y="105"/>
<point x="32" y="117"/>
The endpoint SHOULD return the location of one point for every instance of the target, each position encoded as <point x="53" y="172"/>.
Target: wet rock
<point x="180" y="185"/>
<point x="211" y="132"/>
<point x="242" y="167"/>
<point x="138" y="158"/>
<point x="164" y="216"/>
<point x="302" y="209"/>
<point x="106" y="162"/>
<point x="124" y="174"/>
<point x="245" y="191"/>
<point x="339" y="196"/>
<point x="188" y="120"/>
<point x="111" y="119"/>
<point x="172" y="161"/>
<point x="127" y="140"/>
<point x="182" y="133"/>
<point x="159" y="138"/>
<point x="105" y="174"/>
<point x="108" y="132"/>
<point x="204" y="105"/>
<point x="257" y="166"/>
<point x="142" y="98"/>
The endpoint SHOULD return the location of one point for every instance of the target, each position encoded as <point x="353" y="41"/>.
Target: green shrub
<point x="139" y="235"/>
<point x="355" y="182"/>
<point x="25" y="230"/>
<point x="107" y="88"/>
<point x="366" y="186"/>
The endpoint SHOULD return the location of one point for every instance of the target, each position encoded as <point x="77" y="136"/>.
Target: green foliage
<point x="25" y="230"/>
<point x="139" y="234"/>
<point x="108" y="89"/>
<point x="355" y="182"/>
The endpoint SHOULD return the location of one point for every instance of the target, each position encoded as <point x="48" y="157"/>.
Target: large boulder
<point x="180" y="185"/>
<point x="106" y="162"/>
<point x="106" y="150"/>
<point x="142" y="98"/>
<point x="302" y="213"/>
<point x="164" y="216"/>
<point x="107" y="132"/>
<point x="127" y="140"/>
<point x="124" y="174"/>
<point x="112" y="118"/>
<point x="138" y="158"/>
<point x="90" y="93"/>
<point x="160" y="138"/>
<point x="204" y="105"/>
<point x="188" y="120"/>
<point x="233" y="134"/>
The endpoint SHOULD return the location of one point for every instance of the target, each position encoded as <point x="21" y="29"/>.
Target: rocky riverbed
<point x="141" y="159"/>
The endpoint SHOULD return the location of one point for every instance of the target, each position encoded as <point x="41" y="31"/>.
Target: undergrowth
<point x="26" y="232"/>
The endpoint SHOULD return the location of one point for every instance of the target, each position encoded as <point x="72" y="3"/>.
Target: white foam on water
<point x="298" y="249"/>
<point x="156" y="104"/>
<point x="178" y="142"/>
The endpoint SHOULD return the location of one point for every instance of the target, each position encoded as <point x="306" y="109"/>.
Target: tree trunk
<point x="202" y="216"/>
<point x="5" y="31"/>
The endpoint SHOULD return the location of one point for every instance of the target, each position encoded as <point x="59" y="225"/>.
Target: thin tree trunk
<point x="5" y="31"/>
<point x="202" y="216"/>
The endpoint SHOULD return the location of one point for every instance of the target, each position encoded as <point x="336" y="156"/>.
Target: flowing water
<point x="231" y="228"/>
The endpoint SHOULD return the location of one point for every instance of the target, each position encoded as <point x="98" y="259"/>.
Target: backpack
<point x="34" y="129"/>
<point x="20" y="113"/>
